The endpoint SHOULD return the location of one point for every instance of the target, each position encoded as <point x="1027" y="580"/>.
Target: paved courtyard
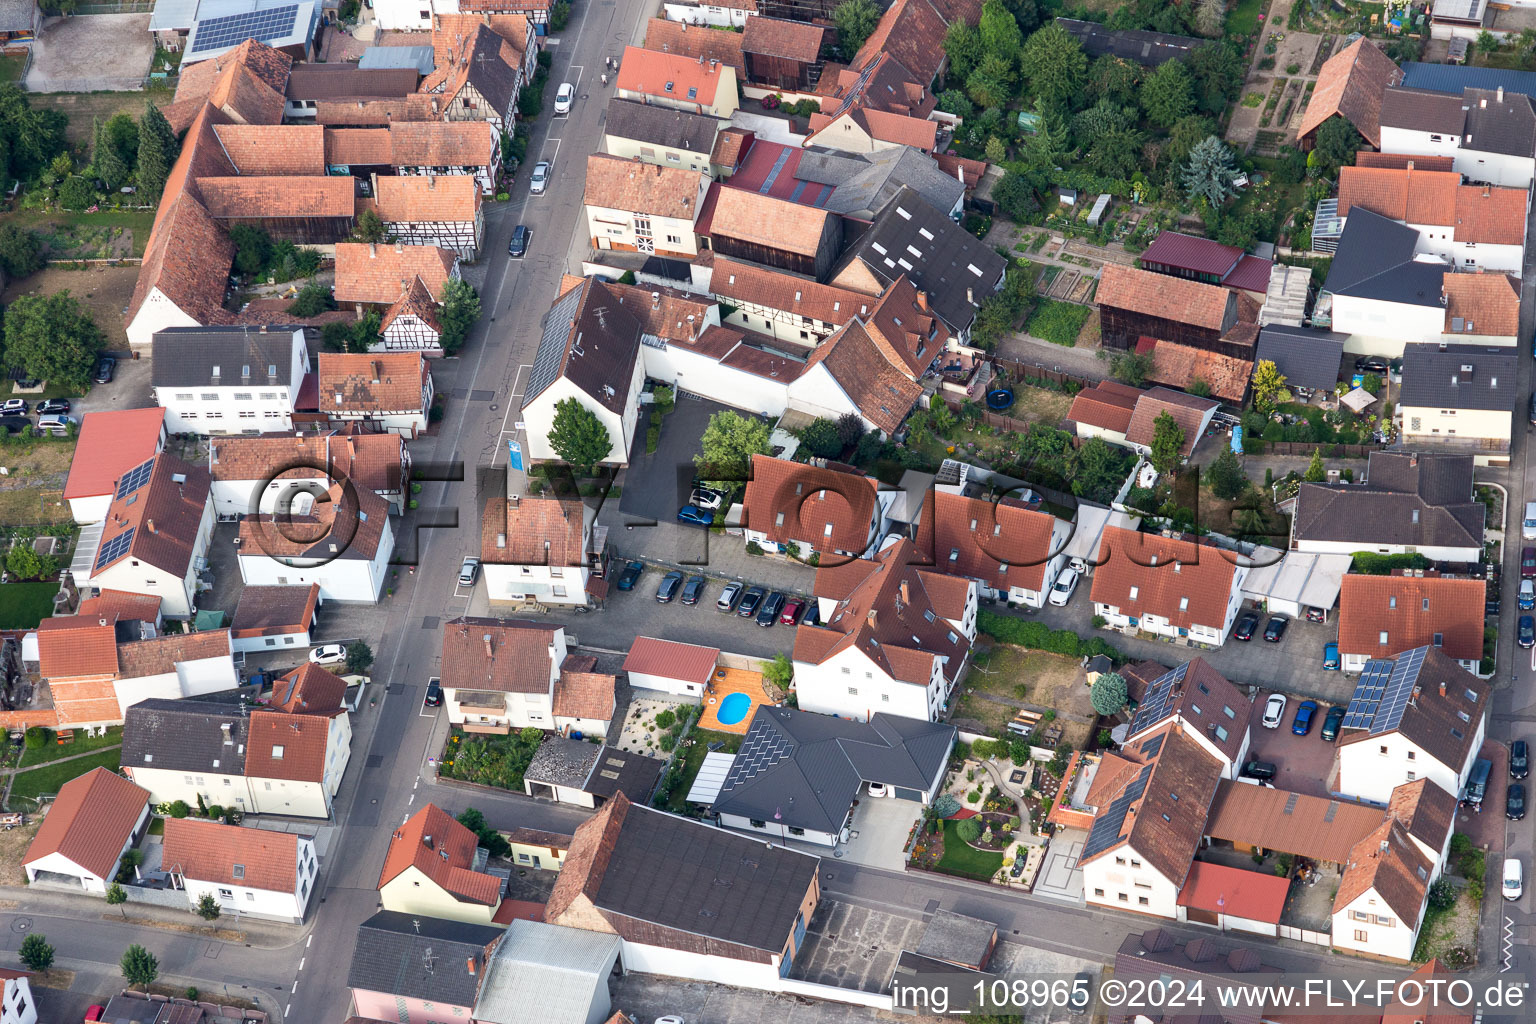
<point x="1302" y="762"/>
<point x="114" y="48"/>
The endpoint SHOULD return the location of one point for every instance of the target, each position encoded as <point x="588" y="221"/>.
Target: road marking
<point x="286" y="1009"/>
<point x="423" y="714"/>
<point x="416" y="783"/>
<point x="310" y="940"/>
<point x="295" y="986"/>
<point x="410" y="800"/>
<point x="301" y="962"/>
<point x="576" y="83"/>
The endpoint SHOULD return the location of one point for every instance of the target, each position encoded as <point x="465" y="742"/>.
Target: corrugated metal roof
<point x="1454" y="78"/>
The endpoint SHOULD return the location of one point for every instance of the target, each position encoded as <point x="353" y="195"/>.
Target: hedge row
<point x="1038" y="636"/>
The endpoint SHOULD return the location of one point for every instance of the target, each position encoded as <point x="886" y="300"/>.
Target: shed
<point x="1233" y="899"/>
<point x="1307" y="358"/>
<point x="1100" y="207"/>
<point x="559" y="770"/>
<point x="556" y="975"/>
<point x="418" y="58"/>
<point x="669" y="666"/>
<point x="1068" y="196"/>
<point x="1091" y="521"/>
<point x="957" y="939"/>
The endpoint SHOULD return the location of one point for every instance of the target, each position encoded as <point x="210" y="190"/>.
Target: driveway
<point x="1303" y="763"/>
<point x="657" y="485"/>
<point x="1060" y="878"/>
<point x="116" y="48"/>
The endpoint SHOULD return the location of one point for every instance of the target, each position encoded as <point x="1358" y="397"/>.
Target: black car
<point x="1372" y="364"/>
<point x="106" y="369"/>
<point x="1533" y="408"/>
<point x="1527" y="631"/>
<point x="55" y="406"/>
<point x="749" y="602"/>
<point x="631" y="575"/>
<point x="518" y="246"/>
<point x="1276" y="628"/>
<point x="1246" y="624"/>
<point x="768" y="614"/>
<point x="1514" y="801"/>
<point x="1331" y="723"/>
<point x="434" y="696"/>
<point x="670" y="584"/>
<point x="693" y="590"/>
<point x="1262" y="770"/>
<point x="1519" y="760"/>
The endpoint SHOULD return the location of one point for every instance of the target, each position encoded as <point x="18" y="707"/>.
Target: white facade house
<point x="180" y="674"/>
<point x="640" y="207"/>
<point x="1435" y="513"/>
<point x="729" y="15"/>
<point x="537" y="549"/>
<point x="1382" y="895"/>
<point x="507" y="674"/>
<point x="248" y="871"/>
<point x="95" y="819"/>
<point x="1171" y="588"/>
<point x="670" y="667"/>
<point x="228" y="380"/>
<point x="348" y="555"/>
<point x="110" y="444"/>
<point x="1488" y="134"/>
<point x="388" y="391"/>
<point x="16" y="1003"/>
<point x="264" y="474"/>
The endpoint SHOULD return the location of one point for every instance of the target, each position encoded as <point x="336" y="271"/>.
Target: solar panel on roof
<point x="1399" y="689"/>
<point x="1159" y="694"/>
<point x="1367" y="695"/>
<point x="134" y="479"/>
<point x="115" y="548"/>
<point x="234" y="29"/>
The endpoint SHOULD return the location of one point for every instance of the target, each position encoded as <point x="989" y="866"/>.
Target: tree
<point x="969" y="829"/>
<point x="35" y="952"/>
<point x="1210" y="16"/>
<point x="157" y="152"/>
<point x="1049" y="142"/>
<point x="179" y="809"/>
<point x="1487" y="41"/>
<point x="253" y="248"/>
<point x="1000" y="34"/>
<point x="1113" y="154"/>
<point x="578" y="436"/>
<point x="855" y="21"/>
<point x="1198" y="385"/>
<point x="996" y="150"/>
<point x="1055" y="64"/>
<point x="1015" y="197"/>
<point x="494" y="842"/>
<point x="1095" y="468"/>
<point x="1316" y="472"/>
<point x="116" y="897"/>
<point x="1167" y="443"/>
<point x="1168" y="94"/>
<point x="1218" y="67"/>
<point x="1113" y="79"/>
<point x="727" y="447"/>
<point x="1336" y="143"/>
<point x="461" y="309"/>
<point x="122" y="134"/>
<point x="29" y="138"/>
<point x="52" y="338"/>
<point x="1210" y="171"/>
<point x="953" y="101"/>
<point x="1184" y="136"/>
<point x="354" y="336"/>
<point x="140" y="968"/>
<point x="208" y="907"/>
<point x="1268" y="385"/>
<point x="991" y="84"/>
<point x="77" y="193"/>
<point x="820" y="439"/>
<point x="1108" y="694"/>
<point x="313" y="299"/>
<point x="1104" y="116"/>
<point x="369" y="228"/>
<point x="21" y="251"/>
<point x="850" y="428"/>
<point x="1131" y="367"/>
<point x="359" y="658"/>
<point x="25" y="563"/>
<point x="964" y="48"/>
<point x="779" y="672"/>
<point x="1226" y="476"/>
<point x="107" y="163"/>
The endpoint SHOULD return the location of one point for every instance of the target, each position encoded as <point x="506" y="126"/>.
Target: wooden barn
<point x="772" y="232"/>
<point x="782" y="54"/>
<point x="301" y="210"/>
<point x="1137" y="304"/>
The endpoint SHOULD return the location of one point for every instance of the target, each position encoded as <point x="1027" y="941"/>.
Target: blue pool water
<point x="734" y="708"/>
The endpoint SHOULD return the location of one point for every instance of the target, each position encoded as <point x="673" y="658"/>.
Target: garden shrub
<point x="969" y="830"/>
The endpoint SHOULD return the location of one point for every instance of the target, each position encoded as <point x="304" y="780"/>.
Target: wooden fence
<point x="1031" y="373"/>
<point x="1330" y="451"/>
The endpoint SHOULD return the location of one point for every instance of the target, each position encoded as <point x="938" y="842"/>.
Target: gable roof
<point x="1315" y="827"/>
<point x="671" y="659"/>
<point x="1172" y="298"/>
<point x="534" y="531"/>
<point x="312" y="196"/>
<point x="1459" y="377"/>
<point x="318" y="81"/>
<point x="632" y="186"/>
<point x="1149" y="49"/>
<point x="273" y="149"/>
<point x="90" y="821"/>
<point x="670" y="76"/>
<point x="873" y="376"/>
<point x="590" y="339"/>
<point x="674" y="37"/>
<point x="1402" y="194"/>
<point x="1388" y="862"/>
<point x="1188" y="410"/>
<point x="827" y="508"/>
<point x="110" y="444"/>
<point x="789" y="40"/>
<point x="1426" y="811"/>
<point x="1203" y="698"/>
<point x="1351" y="84"/>
<point x="1184" y="582"/>
<point x="1418" y="499"/>
<point x="189" y="356"/>
<point x="662" y="126"/>
<point x="1308" y="358"/>
<point x="185" y="735"/>
<point x="1486" y="304"/>
<point x="405" y="198"/>
<point x="284" y="746"/>
<point x="877" y="177"/>
<point x="1490" y="120"/>
<point x="158" y="507"/>
<point x="1180" y="366"/>
<point x="374" y="273"/>
<point x="1193" y="253"/>
<point x="505" y="655"/>
<point x="1003" y="544"/>
<point x="160" y="655"/>
<point x="912" y="31"/>
<point x="1442" y="707"/>
<point x="768" y="221"/>
<point x="308" y="690"/>
<point x="374" y="461"/>
<point x="1108" y="405"/>
<point x="372" y="382"/>
<point x="348" y="523"/>
<point x="413" y="956"/>
<point x="733" y="279"/>
<point x="209" y="851"/>
<point x="444" y="850"/>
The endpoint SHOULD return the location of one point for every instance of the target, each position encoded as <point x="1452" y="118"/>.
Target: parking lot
<point x="1302" y="763"/>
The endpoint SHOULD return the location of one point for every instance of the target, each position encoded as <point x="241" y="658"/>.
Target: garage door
<point x="1198" y="916"/>
<point x="909" y="794"/>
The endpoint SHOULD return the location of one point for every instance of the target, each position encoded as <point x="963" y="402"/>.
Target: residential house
<point x="1384" y="616"/>
<point x="659" y="135"/>
<point x="342" y="540"/>
<point x="16" y="1003"/>
<point x="419" y="148"/>
<point x="228" y="380"/>
<point x="563" y="972"/>
<point x="1179" y="589"/>
<point x="538" y="849"/>
<point x="673" y="37"/>
<point x="1188" y="367"/>
<point x="310" y="86"/>
<point x="912" y="31"/>
<point x="590" y="352"/>
<point x="668" y="666"/>
<point x="571" y="771"/>
<point x="1206" y="707"/>
<point x="96" y="818"/>
<point x="537" y="549"/>
<point x="1011" y="551"/>
<point x="1202" y="259"/>
<point x="253" y="474"/>
<point x="1309" y="359"/>
<point x="391" y="392"/>
<point x="1140" y="308"/>
<point x="797" y="775"/>
<point x="727" y="14"/>
<point x="686" y="899"/>
<point x="1459" y="397"/>
<point x="801" y="509"/>
<point x="682" y="83"/>
<point x="771" y="231"/>
<point x="1104" y="410"/>
<point x="1418" y="716"/>
<point x="1350" y="85"/>
<point x="895" y="637"/>
<point x="504" y="674"/>
<point x="782" y="54"/>
<point x="863" y="185"/>
<point x="1489" y="134"/>
<point x="783" y="306"/>
<point x="1192" y="413"/>
<point x="1149" y="49"/>
<point x="274" y="618"/>
<point x="431" y="209"/>
<point x="433" y="870"/>
<point x="482" y="63"/>
<point x="111" y="443"/>
<point x="1407" y="502"/>
<point x="404" y="284"/>
<point x="882" y="105"/>
<point x="254" y="872"/>
<point x="643" y="207"/>
<point x="419" y="967"/>
<point x="1382" y="896"/>
<point x="866" y="368"/>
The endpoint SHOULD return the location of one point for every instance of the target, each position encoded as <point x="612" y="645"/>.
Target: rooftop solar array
<point x="233" y="29"/>
<point x="1367" y="695"/>
<point x="1158" y="699"/>
<point x="551" y="354"/>
<point x="1383" y="692"/>
<point x="115" y="548"/>
<point x="1108" y="826"/>
<point x="135" y="478"/>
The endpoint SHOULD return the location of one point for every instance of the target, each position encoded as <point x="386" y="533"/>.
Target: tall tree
<point x="1316" y="472"/>
<point x="1095" y="468"/>
<point x="1336" y="144"/>
<point x="855" y="21"/>
<point x="1108" y="694"/>
<point x="578" y="436"/>
<point x="1268" y="385"/>
<point x="1049" y="142"/>
<point x="21" y="251"/>
<point x="1114" y="79"/>
<point x="963" y="47"/>
<point x="30" y="137"/>
<point x="52" y="338"/>
<point x="1000" y="32"/>
<point x="1167" y="449"/>
<point x="1208" y="174"/>
<point x="1055" y="64"/>
<point x="107" y="164"/>
<point x="727" y="447"/>
<point x="1168" y="94"/>
<point x="157" y="152"/>
<point x="1218" y="67"/>
<point x="461" y="309"/>
<point x="368" y="228"/>
<point x="140" y="968"/>
<point x="1226" y="476"/>
<point x="1114" y="153"/>
<point x="991" y="84"/>
<point x="1210" y="16"/>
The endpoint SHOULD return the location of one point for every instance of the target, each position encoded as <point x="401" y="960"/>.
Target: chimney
<point x="970" y="296"/>
<point x="904" y="598"/>
<point x="871" y="617"/>
<point x="655" y="300"/>
<point x="1413" y="460"/>
<point x="427" y="841"/>
<point x="399" y="247"/>
<point x="489" y="653"/>
<point x="1501" y="94"/>
<point x="1483" y="103"/>
<point x="431" y="182"/>
<point x="692" y="335"/>
<point x="922" y="301"/>
<point x="470" y="961"/>
<point x="1442" y="688"/>
<point x="373" y="251"/>
<point x="151" y="524"/>
<point x="378" y="370"/>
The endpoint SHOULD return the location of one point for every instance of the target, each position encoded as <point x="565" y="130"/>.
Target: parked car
<point x="328" y="654"/>
<point x="1519" y="760"/>
<point x="631" y="575"/>
<point x="1276" y="629"/>
<point x="1330" y="657"/>
<point x="792" y="609"/>
<point x="57" y="425"/>
<point x="1514" y="879"/>
<point x="540" y="179"/>
<point x="1514" y="801"/>
<point x="1331" y="723"/>
<point x="1527" y="631"/>
<point x="1260" y="770"/>
<point x="1477" y="784"/>
<point x="106" y="369"/>
<point x="563" y="98"/>
<point x="693" y="516"/>
<point x="706" y="498"/>
<point x="53" y="405"/>
<point x="1527" y="595"/>
<point x="670" y="584"/>
<point x="94" y="1013"/>
<point x="693" y="590"/>
<point x="768" y="614"/>
<point x="1372" y="364"/>
<point x="1528" y="524"/>
<point x="1317" y="615"/>
<point x="1274" y="710"/>
<point x="749" y="602"/>
<point x="1527" y="563"/>
<point x="1305" y="712"/>
<point x="518" y="246"/>
<point x="728" y="597"/>
<point x="434" y="697"/>
<point x="14" y="407"/>
<point x="468" y="571"/>
<point x="1061" y="590"/>
<point x="1246" y="624"/>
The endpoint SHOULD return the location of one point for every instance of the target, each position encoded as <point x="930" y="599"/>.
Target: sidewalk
<point x="42" y="900"/>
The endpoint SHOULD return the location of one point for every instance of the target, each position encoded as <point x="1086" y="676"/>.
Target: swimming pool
<point x="733" y="708"/>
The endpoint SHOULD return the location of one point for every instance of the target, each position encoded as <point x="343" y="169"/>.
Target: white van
<point x="1528" y="524"/>
<point x="1514" y="880"/>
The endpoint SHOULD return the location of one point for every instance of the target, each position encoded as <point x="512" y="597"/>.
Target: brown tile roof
<point x="778" y="37"/>
<point x="1351" y="84"/>
<point x="610" y="344"/>
<point x="962" y="168"/>
<point x="1179" y="366"/>
<point x="1422" y="162"/>
<point x="1296" y="823"/>
<point x="371" y="461"/>
<point x="308" y="690"/>
<point x="1486" y="215"/>
<point x="651" y="656"/>
<point x="674" y="37"/>
<point x="794" y="502"/>
<point x="111" y="442"/>
<point x="379" y="112"/>
<point x="372" y="382"/>
<point x="738" y="281"/>
<point x="1411" y="611"/>
<point x="1172" y="298"/>
<point x="1107" y="405"/>
<point x="634" y="187"/>
<point x="1425" y="810"/>
<point x="403" y="198"/>
<point x="164" y="514"/>
<point x="873" y="377"/>
<point x="274" y="149"/>
<point x="730" y="144"/>
<point x="263" y="198"/>
<point x="902" y="325"/>
<point x="443" y="850"/>
<point x="1413" y="196"/>
<point x="663" y="312"/>
<point x="913" y="32"/>
<point x="270" y="611"/>
<point x="1188" y="410"/>
<point x="361" y="146"/>
<point x="115" y="605"/>
<point x="207" y="851"/>
<point x="1003" y="544"/>
<point x="1443" y="724"/>
<point x="515" y="658"/>
<point x="317" y="81"/>
<point x="534" y="531"/>
<point x="86" y="703"/>
<point x="284" y="746"/>
<point x="247" y="83"/>
<point x="374" y="273"/>
<point x="649" y="73"/>
<point x="73" y="645"/>
<point x="584" y="695"/>
<point x="443" y="144"/>
<point x="417" y="302"/>
<point x="767" y="221"/>
<point x="1389" y="862"/>
<point x="452" y="33"/>
<point x="1207" y="702"/>
<point x="350" y="524"/>
<point x="89" y="821"/>
<point x="1187" y="584"/>
<point x="1489" y="301"/>
<point x="160" y="655"/>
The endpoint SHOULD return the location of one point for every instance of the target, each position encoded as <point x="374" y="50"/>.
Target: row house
<point x="228" y="380"/>
<point x="1489" y="135"/>
<point x="418" y="148"/>
<point x="388" y="392"/>
<point x="830" y="511"/>
<point x="1178" y="589"/>
<point x="266" y="472"/>
<point x="404" y="284"/>
<point x="726" y="14"/>
<point x="694" y="85"/>
<point x="482" y="63"/>
<point x="882" y="106"/>
<point x="1011" y="551"/>
<point x="1460" y="397"/>
<point x="642" y="207"/>
<point x="343" y="541"/>
<point x="432" y="209"/>
<point x="501" y="675"/>
<point x="537" y="549"/>
<point x="673" y="37"/>
<point x="782" y="306"/>
<point x="659" y="135"/>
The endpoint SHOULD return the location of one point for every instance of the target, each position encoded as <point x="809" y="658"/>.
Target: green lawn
<point x="964" y="859"/>
<point x="693" y="760"/>
<point x="1057" y="322"/>
<point x="24" y="605"/>
<point x="11" y="68"/>
<point x="81" y="744"/>
<point x="86" y="235"/>
<point x="1244" y="19"/>
<point x="48" y="779"/>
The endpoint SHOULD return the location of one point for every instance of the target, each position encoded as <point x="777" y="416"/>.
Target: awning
<point x="712" y="773"/>
<point x="1310" y="580"/>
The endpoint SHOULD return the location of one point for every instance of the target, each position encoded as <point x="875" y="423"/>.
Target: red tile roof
<point x="90" y="821"/>
<point x="650" y="73"/>
<point x="1179" y="366"/>
<point x="584" y="695"/>
<point x="764" y="220"/>
<point x="1003" y="544"/>
<point x="1107" y="405"/>
<point x="873" y="376"/>
<point x="286" y="746"/>
<point x="678" y="39"/>
<point x="160" y="655"/>
<point x="778" y="37"/>
<point x="1487" y="304"/>
<point x="1189" y="252"/>
<point x="1160" y="295"/>
<point x="534" y="531"/>
<point x="360" y="147"/>
<point x="372" y="382"/>
<point x="1218" y="889"/>
<point x="1413" y="196"/>
<point x="501" y="655"/>
<point x="273" y="611"/>
<point x="791" y="502"/>
<point x="738" y="281"/>
<point x="1411" y="611"/>
<point x="443" y="850"/>
<point x="913" y="32"/>
<point x="256" y="858"/>
<point x="1188" y="410"/>
<point x="407" y="198"/>
<point x="274" y="149"/>
<point x="1351" y="84"/>
<point x="634" y="187"/>
<point x="74" y="645"/>
<point x="1315" y="827"/>
<point x="1185" y="583"/>
<point x="308" y="689"/>
<point x="263" y="198"/>
<point x="110" y="444"/>
<point x="1387" y="861"/>
<point x="164" y="513"/>
<point x="670" y="659"/>
<point x="374" y="461"/>
<point x="1486" y="215"/>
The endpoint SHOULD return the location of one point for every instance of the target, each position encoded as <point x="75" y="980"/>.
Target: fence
<point x="1330" y="451"/>
<point x="1035" y="373"/>
<point x="125" y="7"/>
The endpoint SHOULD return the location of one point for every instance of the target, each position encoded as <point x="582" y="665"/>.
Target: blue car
<point x="695" y="516"/>
<point x="1527" y="631"/>
<point x="631" y="575"/>
<point x="1305" y="712"/>
<point x="1330" y="657"/>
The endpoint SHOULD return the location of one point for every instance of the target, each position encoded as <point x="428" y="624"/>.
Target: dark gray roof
<point x="1423" y="110"/>
<point x="489" y="73"/>
<point x="591" y="340"/>
<point x="184" y="736"/>
<point x="622" y="771"/>
<point x="1156" y="955"/>
<point x="952" y="261"/>
<point x="187" y="356"/>
<point x="1375" y="261"/>
<point x="1453" y="78"/>
<point x="876" y="180"/>
<point x="1459" y="377"/>
<point x="17" y="15"/>
<point x="1309" y="359"/>
<point x="691" y="877"/>
<point x="1423" y="500"/>
<point x="420" y="957"/>
<point x="662" y="126"/>
<point x="1148" y="49"/>
<point x="804" y="770"/>
<point x="562" y="762"/>
<point x="958" y="939"/>
<point x="1482" y="120"/>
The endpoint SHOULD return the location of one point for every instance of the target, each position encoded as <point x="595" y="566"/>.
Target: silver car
<point x="540" y="180"/>
<point x="468" y="571"/>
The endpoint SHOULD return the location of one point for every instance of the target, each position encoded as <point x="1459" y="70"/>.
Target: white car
<point x="563" y="98"/>
<point x="1514" y="879"/>
<point x="705" y="498"/>
<point x="1061" y="591"/>
<point x="468" y="571"/>
<point x="13" y="406"/>
<point x="540" y="180"/>
<point x="1274" y="711"/>
<point x="879" y="789"/>
<point x="330" y="654"/>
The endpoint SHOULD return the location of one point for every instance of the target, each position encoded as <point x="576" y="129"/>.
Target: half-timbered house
<point x="432" y="209"/>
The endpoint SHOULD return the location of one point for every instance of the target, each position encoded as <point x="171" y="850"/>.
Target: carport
<point x="1288" y="583"/>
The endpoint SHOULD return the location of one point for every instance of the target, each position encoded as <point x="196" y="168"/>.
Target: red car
<point x="95" y="1013"/>
<point x="1527" y="563"/>
<point x="792" y="610"/>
